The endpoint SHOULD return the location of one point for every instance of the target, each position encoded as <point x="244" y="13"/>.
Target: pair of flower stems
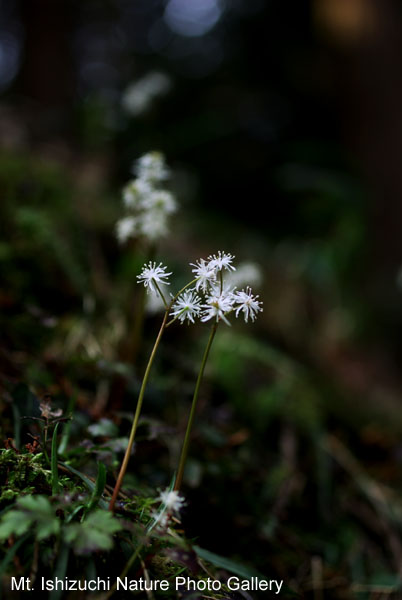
<point x="186" y="442"/>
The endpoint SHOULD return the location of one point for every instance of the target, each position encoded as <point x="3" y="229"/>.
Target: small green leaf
<point x="95" y="533"/>
<point x="32" y="512"/>
<point x="99" y="487"/>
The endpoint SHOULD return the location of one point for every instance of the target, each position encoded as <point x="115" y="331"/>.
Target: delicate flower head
<point x="153" y="225"/>
<point x="126" y="228"/>
<point x="205" y="274"/>
<point x="187" y="306"/>
<point x="152" y="276"/>
<point x="247" y="273"/>
<point x="135" y="193"/>
<point x="172" y="500"/>
<point x="46" y="411"/>
<point x="148" y="206"/>
<point x="151" y="167"/>
<point x="220" y="261"/>
<point x="161" y="519"/>
<point x="248" y="304"/>
<point x="160" y="200"/>
<point x="218" y="304"/>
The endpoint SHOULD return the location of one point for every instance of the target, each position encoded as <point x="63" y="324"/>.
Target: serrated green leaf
<point x="31" y="512"/>
<point x="95" y="533"/>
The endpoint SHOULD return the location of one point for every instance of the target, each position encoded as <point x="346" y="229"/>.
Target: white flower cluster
<point x="211" y="297"/>
<point x="148" y="206"/>
<point x="171" y="504"/>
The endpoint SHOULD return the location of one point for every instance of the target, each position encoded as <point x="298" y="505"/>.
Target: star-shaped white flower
<point x="222" y="260"/>
<point x="247" y="303"/>
<point x="217" y="306"/>
<point x="187" y="306"/>
<point x="204" y="273"/>
<point x="172" y="500"/>
<point x="152" y="276"/>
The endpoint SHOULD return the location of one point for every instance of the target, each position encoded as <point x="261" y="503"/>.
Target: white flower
<point x="126" y="228"/>
<point x="151" y="167"/>
<point x="152" y="275"/>
<point x="247" y="303"/>
<point x="205" y="274"/>
<point x="218" y="304"/>
<point x="172" y="500"/>
<point x="160" y="200"/>
<point x="148" y="207"/>
<point x="141" y="94"/>
<point x="135" y="194"/>
<point x="153" y="225"/>
<point x="161" y="519"/>
<point x="247" y="273"/>
<point x="221" y="261"/>
<point x="187" y="306"/>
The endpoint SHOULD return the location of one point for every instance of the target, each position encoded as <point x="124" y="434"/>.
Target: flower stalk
<point x="186" y="443"/>
<point x="127" y="454"/>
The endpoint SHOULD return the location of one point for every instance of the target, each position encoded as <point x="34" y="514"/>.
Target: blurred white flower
<point x="152" y="225"/>
<point x="187" y="306"/>
<point x="247" y="303"/>
<point x="135" y="194"/>
<point x="161" y="519"/>
<point x="172" y="500"/>
<point x="247" y="273"/>
<point x="148" y="206"/>
<point x="154" y="304"/>
<point x="152" y="276"/>
<point x="140" y="95"/>
<point x="160" y="200"/>
<point x="151" y="167"/>
<point x="126" y="228"/>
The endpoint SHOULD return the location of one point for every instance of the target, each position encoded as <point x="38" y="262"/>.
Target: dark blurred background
<point x="285" y="113"/>
<point x="280" y="119"/>
<point x="282" y="123"/>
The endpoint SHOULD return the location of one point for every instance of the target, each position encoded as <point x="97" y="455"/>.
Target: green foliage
<point x="21" y="474"/>
<point x="33" y="513"/>
<point x="93" y="534"/>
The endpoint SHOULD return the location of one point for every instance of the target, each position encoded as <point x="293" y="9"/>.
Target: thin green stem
<point x="184" y="450"/>
<point x="182" y="289"/>
<point x="138" y="325"/>
<point x="126" y="458"/>
<point x="167" y="306"/>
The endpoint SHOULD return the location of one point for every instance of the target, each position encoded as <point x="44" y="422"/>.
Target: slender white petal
<point x="217" y="306"/>
<point x="187" y="306"/>
<point x="152" y="275"/>
<point x="248" y="304"/>
<point x="205" y="274"/>
<point x="220" y="261"/>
